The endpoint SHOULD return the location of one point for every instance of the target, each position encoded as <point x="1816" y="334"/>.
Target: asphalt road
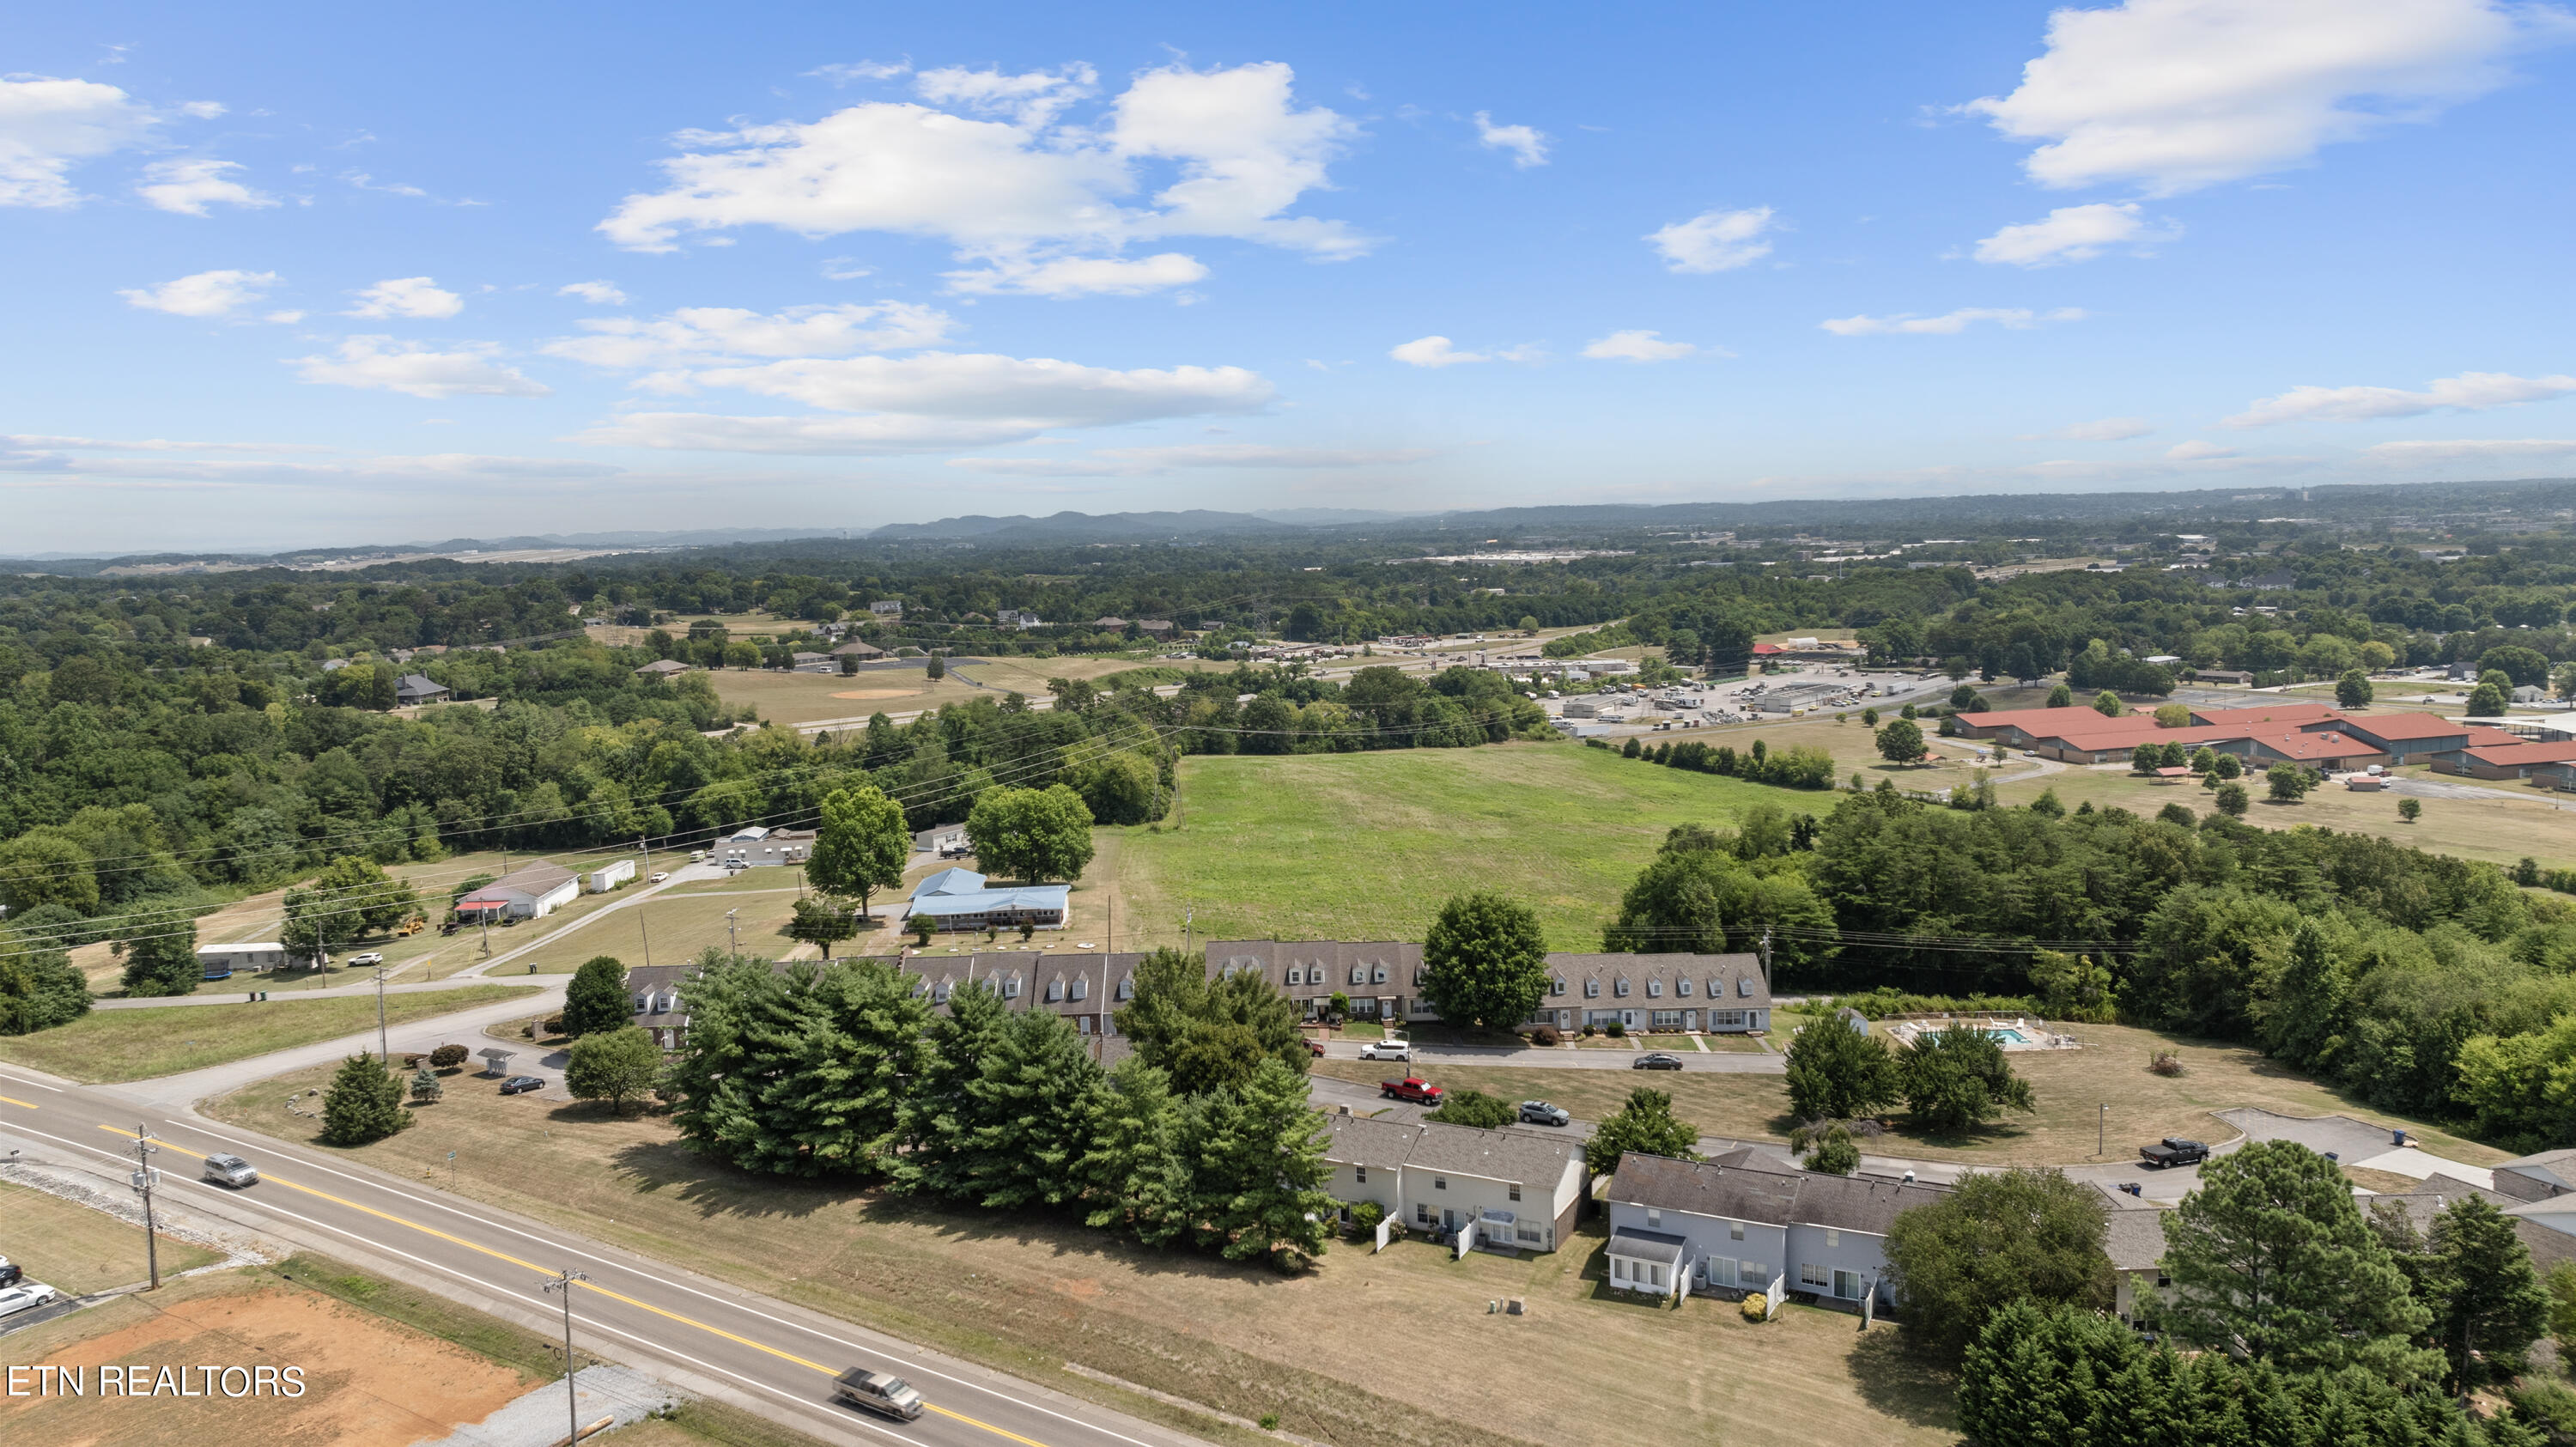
<point x="698" y="1333"/>
<point x="1430" y="1057"/>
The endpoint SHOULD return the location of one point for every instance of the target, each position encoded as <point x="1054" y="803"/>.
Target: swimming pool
<point x="2006" y="1035"/>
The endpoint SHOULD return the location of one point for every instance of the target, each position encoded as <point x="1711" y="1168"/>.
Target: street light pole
<point x="2102" y="1130"/>
<point x="144" y="1179"/>
<point x="572" y="1396"/>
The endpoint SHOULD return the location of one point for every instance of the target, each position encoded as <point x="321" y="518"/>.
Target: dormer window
<point x="1011" y="987"/>
<point x="1418" y="973"/>
<point x="1591" y="989"/>
<point x="1654" y="1218"/>
<point x="1055" y="989"/>
<point x="643" y="1003"/>
<point x="1716" y="987"/>
<point x="1081" y="986"/>
<point x="1127" y="988"/>
<point x="1380" y="976"/>
<point x="940" y="995"/>
<point x="1681" y="986"/>
<point x="1620" y="988"/>
<point x="1557" y="985"/>
<point x="1744" y="986"/>
<point x="1296" y="976"/>
<point x="1654" y="989"/>
<point x="1359" y="974"/>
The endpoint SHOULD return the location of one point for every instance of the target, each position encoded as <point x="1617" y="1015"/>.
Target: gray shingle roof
<point x="1743" y="1186"/>
<point x="1655" y="981"/>
<point x="540" y="878"/>
<point x="2135" y="1240"/>
<point x="1359" y="1140"/>
<point x="1532" y="1161"/>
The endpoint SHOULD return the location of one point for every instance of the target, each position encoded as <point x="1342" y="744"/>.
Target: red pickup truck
<point x="1413" y="1088"/>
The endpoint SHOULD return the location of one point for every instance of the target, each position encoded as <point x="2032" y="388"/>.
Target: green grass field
<point x="78" y="1251"/>
<point x="106" y="1045"/>
<point x="1367" y="846"/>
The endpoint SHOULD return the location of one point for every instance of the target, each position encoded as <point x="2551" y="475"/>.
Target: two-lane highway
<point x="772" y="1356"/>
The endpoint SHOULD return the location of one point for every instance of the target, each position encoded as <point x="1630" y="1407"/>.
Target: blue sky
<point x="303" y="276"/>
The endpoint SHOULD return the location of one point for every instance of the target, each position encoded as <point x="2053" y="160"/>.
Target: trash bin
<point x="2397" y="1138"/>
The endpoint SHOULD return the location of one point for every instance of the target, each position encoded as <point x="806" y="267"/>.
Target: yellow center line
<point x="13" y="1100"/>
<point x="784" y="1356"/>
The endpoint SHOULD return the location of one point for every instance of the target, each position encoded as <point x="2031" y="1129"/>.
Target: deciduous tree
<point x="1957" y="1079"/>
<point x="1646" y="1125"/>
<point x="1485" y="961"/>
<point x="616" y="1066"/>
<point x="1031" y="834"/>
<point x="596" y="1000"/>
<point x="1997" y="1238"/>
<point x="860" y="845"/>
<point x="1837" y="1073"/>
<point x="1900" y="741"/>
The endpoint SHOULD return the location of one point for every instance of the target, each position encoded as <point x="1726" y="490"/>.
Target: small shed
<point x="2173" y="774"/>
<point x="496" y="1061"/>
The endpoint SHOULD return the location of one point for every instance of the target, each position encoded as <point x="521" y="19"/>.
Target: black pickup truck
<point x="2174" y="1151"/>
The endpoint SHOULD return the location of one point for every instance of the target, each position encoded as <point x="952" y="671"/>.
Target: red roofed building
<point x="2515" y="760"/>
<point x="2413" y="738"/>
<point x="1768" y="650"/>
<point x="2325" y="750"/>
<point x="2300" y="714"/>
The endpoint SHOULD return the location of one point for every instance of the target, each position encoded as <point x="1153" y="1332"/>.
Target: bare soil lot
<point x="369" y="1382"/>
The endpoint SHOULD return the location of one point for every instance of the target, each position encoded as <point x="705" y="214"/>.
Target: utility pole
<point x="640" y="928"/>
<point x="732" y="938"/>
<point x="1766" y="960"/>
<point x="145" y="1178"/>
<point x="572" y="1396"/>
<point x="384" y="1047"/>
<point x="1189" y="922"/>
<point x="2102" y="1130"/>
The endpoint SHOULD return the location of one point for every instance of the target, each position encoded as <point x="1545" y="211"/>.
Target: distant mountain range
<point x="2544" y="501"/>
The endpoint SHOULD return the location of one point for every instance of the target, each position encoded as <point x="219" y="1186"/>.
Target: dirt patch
<point x="879" y="693"/>
<point x="366" y="1380"/>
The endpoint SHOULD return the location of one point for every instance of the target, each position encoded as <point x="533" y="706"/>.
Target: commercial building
<point x="531" y="891"/>
<point x="957" y="899"/>
<point x="608" y="877"/>
<point x="757" y="846"/>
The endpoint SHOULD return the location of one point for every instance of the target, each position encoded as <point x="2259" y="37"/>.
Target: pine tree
<point x="1134" y="1175"/>
<point x="2306" y="1016"/>
<point x="2494" y="1306"/>
<point x="936" y="1120"/>
<point x="426" y="1086"/>
<point x="1029" y="1106"/>
<point x="1257" y="1158"/>
<point x="363" y="1105"/>
<point x="162" y="961"/>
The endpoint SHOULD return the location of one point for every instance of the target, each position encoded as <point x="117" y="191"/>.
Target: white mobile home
<point x="605" y="879"/>
<point x="222" y="961"/>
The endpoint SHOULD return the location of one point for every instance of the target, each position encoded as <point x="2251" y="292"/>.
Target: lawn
<point x="1367" y="846"/>
<point x="804" y="698"/>
<point x="78" y="1251"/>
<point x="2499" y="831"/>
<point x="106" y="1045"/>
<point x="1030" y="1295"/>
<point x="2067" y="1086"/>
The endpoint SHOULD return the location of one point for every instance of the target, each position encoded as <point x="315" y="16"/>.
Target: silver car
<point x="231" y="1171"/>
<point x="1539" y="1112"/>
<point x="878" y="1392"/>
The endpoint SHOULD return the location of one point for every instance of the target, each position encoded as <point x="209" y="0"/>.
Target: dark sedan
<point x="1656" y="1060"/>
<point x="521" y="1085"/>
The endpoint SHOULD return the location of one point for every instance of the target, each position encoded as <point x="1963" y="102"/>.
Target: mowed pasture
<point x="901" y="688"/>
<point x="1367" y="846"/>
<point x="1036" y="1295"/>
<point x="2068" y="1089"/>
<point x="79" y="1251"/>
<point x="143" y="1044"/>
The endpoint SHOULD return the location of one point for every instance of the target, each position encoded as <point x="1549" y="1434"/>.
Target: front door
<point x="1448" y="1219"/>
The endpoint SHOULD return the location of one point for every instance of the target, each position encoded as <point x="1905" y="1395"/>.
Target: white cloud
<point x="204" y="294"/>
<point x="203" y="110"/>
<point x="189" y="187"/>
<point x="411" y="296"/>
<point x="48" y="126"/>
<point x="26" y="440"/>
<point x="842" y="74"/>
<point x="1033" y="99"/>
<point x="598" y="293"/>
<point x="934" y="400"/>
<point x="1715" y="240"/>
<point x="2107" y="429"/>
<point x="1141" y="461"/>
<point x="1022" y="188"/>
<point x="1528" y="146"/>
<point x="1904" y="323"/>
<point x="2476" y="449"/>
<point x="2197" y="451"/>
<point x="1434" y="352"/>
<point x="2172" y="95"/>
<point x="1638" y="346"/>
<point x="698" y="335"/>
<point x="2467" y="392"/>
<point x="382" y="364"/>
<point x="1067" y="276"/>
<point x="2071" y="233"/>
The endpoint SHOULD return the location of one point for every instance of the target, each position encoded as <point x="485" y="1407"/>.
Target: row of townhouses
<point x="1666" y="992"/>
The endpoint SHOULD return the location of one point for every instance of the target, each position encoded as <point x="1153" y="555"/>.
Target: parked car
<point x="10" y="1272"/>
<point x="1413" y="1088"/>
<point x="657" y="879"/>
<point x="521" y="1085"/>
<point x="878" y="1392"/>
<point x="24" y="1295"/>
<point x="1656" y="1060"/>
<point x="1387" y="1050"/>
<point x="2174" y="1151"/>
<point x="1315" y="1047"/>
<point x="233" y="1171"/>
<point x="1539" y="1112"/>
<point x="369" y="958"/>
